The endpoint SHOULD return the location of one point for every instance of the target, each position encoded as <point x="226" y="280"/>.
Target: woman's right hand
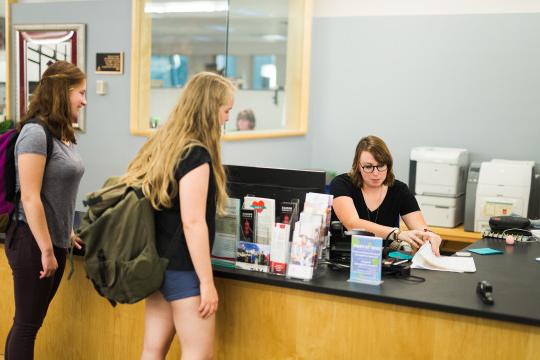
<point x="412" y="237"/>
<point x="49" y="264"/>
<point x="209" y="300"/>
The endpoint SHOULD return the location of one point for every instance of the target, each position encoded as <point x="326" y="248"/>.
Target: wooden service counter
<point x="268" y="317"/>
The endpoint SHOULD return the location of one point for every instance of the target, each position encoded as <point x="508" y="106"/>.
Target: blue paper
<point x="399" y="255"/>
<point x="486" y="251"/>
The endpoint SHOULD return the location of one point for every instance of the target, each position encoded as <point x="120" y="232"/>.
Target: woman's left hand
<point x="209" y="300"/>
<point x="435" y="241"/>
<point x="76" y="241"/>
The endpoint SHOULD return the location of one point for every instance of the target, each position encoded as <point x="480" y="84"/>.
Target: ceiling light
<point x="186" y="7"/>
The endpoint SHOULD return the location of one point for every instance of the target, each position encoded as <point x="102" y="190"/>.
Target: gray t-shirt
<point x="63" y="174"/>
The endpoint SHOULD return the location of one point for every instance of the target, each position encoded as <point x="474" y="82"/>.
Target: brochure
<point x="252" y="256"/>
<point x="303" y="258"/>
<point x="266" y="216"/>
<point x="227" y="234"/>
<point x="279" y="250"/>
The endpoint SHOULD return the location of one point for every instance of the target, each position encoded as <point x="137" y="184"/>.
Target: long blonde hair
<point x="193" y="122"/>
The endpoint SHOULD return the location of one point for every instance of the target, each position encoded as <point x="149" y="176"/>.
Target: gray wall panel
<point x="107" y="146"/>
<point x="469" y="81"/>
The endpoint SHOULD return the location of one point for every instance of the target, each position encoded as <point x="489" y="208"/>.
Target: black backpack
<point x="120" y="256"/>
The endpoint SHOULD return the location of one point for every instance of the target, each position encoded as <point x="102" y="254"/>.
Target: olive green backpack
<point x="120" y="255"/>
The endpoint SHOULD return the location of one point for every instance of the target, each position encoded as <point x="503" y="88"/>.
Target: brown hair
<point x="50" y="100"/>
<point x="376" y="147"/>
<point x="248" y="115"/>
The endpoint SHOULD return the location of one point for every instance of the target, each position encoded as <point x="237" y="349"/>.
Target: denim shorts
<point x="180" y="285"/>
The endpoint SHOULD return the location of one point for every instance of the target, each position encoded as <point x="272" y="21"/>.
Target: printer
<point x="505" y="188"/>
<point x="437" y="176"/>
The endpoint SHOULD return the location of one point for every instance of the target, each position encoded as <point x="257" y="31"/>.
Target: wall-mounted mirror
<point x="37" y="47"/>
<point x="263" y="45"/>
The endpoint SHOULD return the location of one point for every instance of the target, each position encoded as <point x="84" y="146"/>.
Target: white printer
<point x="504" y="188"/>
<point x="438" y="177"/>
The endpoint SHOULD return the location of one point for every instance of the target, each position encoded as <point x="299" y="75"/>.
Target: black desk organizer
<point x="279" y="184"/>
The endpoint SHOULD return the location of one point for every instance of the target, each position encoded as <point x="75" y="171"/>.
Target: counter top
<point x="514" y="276"/>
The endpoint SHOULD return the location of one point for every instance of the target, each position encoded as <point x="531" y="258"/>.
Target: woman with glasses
<point x="369" y="197"/>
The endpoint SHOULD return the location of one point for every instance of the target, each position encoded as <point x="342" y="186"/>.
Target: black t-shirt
<point x="399" y="201"/>
<point x="170" y="239"/>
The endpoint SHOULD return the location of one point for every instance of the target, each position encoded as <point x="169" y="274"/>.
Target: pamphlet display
<point x="366" y="259"/>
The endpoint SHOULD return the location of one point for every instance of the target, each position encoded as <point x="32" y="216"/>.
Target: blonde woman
<point x="181" y="173"/>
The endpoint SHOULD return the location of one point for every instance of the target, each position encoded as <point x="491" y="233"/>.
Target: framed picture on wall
<point x="37" y="47"/>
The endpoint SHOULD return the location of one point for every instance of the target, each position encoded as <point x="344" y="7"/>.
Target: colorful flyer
<point x="253" y="256"/>
<point x="366" y="259"/>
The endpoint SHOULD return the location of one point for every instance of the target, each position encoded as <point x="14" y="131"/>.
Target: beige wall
<point x="333" y="8"/>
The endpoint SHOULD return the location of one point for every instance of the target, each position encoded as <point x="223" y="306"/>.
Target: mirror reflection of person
<point x="245" y="120"/>
<point x="369" y="197"/>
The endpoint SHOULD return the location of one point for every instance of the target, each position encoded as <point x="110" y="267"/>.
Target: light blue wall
<point x="107" y="146"/>
<point x="469" y="81"/>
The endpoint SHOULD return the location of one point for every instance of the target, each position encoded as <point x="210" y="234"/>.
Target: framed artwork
<point x="37" y="47"/>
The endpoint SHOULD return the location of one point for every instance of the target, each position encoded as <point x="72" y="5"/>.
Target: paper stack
<point x="425" y="259"/>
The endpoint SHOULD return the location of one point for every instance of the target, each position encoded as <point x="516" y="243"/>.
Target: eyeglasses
<point x="371" y="168"/>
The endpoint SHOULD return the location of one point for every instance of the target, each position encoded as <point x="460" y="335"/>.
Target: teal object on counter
<point x="486" y="251"/>
<point x="399" y="255"/>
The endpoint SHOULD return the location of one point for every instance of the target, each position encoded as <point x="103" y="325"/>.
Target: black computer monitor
<point x="279" y="184"/>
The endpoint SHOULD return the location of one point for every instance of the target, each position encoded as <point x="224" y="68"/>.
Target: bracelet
<point x="427" y="230"/>
<point x="396" y="234"/>
<point x="390" y="234"/>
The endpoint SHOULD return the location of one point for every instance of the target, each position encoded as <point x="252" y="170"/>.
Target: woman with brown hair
<point x="245" y="120"/>
<point x="369" y="197"/>
<point x="48" y="183"/>
<point x="181" y="174"/>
